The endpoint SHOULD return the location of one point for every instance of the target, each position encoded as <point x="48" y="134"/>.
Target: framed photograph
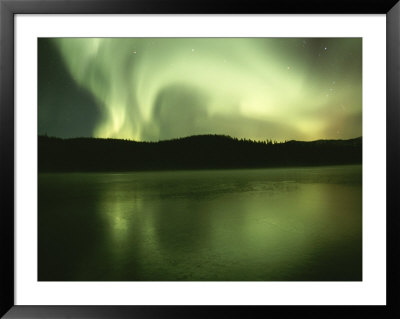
<point x="172" y="159"/>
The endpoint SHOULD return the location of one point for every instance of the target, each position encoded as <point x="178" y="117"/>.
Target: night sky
<point x="151" y="89"/>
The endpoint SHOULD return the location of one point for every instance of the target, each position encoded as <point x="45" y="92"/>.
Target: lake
<point x="286" y="224"/>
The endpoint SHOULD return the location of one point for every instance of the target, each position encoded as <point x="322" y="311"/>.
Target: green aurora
<point x="150" y="89"/>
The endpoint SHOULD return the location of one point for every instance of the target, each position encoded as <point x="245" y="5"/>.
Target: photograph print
<point x="199" y="159"/>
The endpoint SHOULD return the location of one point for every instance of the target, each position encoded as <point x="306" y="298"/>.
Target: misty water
<point x="256" y="224"/>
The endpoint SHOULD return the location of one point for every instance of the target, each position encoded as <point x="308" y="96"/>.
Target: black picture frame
<point x="8" y="10"/>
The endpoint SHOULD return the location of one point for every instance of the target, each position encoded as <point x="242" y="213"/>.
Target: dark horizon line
<point x="196" y="136"/>
<point x="193" y="152"/>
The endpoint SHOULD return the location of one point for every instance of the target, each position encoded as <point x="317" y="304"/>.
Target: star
<point x="192" y="50"/>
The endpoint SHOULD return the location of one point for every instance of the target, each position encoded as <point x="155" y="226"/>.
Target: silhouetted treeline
<point x="194" y="152"/>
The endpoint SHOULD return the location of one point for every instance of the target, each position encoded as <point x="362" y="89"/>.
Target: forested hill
<point x="194" y="152"/>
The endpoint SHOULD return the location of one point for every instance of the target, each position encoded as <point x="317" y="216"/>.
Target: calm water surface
<point x="263" y="224"/>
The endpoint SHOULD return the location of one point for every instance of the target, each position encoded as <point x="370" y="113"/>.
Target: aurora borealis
<point x="150" y="89"/>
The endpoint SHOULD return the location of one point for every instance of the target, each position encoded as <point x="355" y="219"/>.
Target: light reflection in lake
<point x="267" y="224"/>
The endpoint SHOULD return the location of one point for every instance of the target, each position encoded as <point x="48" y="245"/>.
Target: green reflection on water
<point x="271" y="224"/>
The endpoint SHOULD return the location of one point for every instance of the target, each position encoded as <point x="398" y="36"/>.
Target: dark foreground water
<point x="267" y="224"/>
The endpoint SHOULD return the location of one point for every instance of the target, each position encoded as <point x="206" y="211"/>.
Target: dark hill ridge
<point x="193" y="152"/>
